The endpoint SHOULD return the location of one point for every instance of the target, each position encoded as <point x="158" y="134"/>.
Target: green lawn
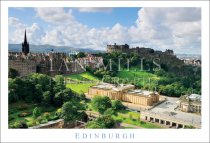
<point x="80" y="88"/>
<point x="16" y="109"/>
<point x="133" y="74"/>
<point x="83" y="76"/>
<point x="133" y="118"/>
<point x="130" y="117"/>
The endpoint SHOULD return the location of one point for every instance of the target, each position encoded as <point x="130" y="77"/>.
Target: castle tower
<point x="25" y="45"/>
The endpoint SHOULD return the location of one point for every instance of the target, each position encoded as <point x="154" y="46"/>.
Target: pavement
<point x="168" y="109"/>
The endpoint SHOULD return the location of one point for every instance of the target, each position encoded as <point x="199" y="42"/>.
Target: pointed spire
<point x="25" y="38"/>
<point x="25" y="45"/>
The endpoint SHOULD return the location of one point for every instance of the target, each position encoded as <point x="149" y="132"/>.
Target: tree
<point x="93" y="125"/>
<point x="58" y="99"/>
<point x="13" y="73"/>
<point x="117" y="105"/>
<point x="81" y="96"/>
<point x="59" y="84"/>
<point x="103" y="122"/>
<point x="47" y="97"/>
<point x="67" y="94"/>
<point x="13" y="97"/>
<point x="110" y="111"/>
<point x="37" y="96"/>
<point x="36" y="112"/>
<point x="101" y="103"/>
<point x="81" y="55"/>
<point x="70" y="110"/>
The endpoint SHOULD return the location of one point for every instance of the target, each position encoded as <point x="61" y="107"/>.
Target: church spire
<point x="25" y="45"/>
<point x="25" y="37"/>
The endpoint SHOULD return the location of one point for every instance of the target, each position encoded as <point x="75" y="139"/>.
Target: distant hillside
<point x="47" y="48"/>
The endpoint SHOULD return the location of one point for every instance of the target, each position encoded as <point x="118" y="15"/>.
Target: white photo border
<point x="70" y="135"/>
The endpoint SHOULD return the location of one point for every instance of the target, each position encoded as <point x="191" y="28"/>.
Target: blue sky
<point x="158" y="28"/>
<point x="124" y="16"/>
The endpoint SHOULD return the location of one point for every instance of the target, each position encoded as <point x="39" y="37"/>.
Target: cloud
<point x="55" y="15"/>
<point x="16" y="31"/>
<point x="159" y="28"/>
<point x="175" y="28"/>
<point x="95" y="9"/>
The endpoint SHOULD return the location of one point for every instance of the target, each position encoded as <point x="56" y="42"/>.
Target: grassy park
<point x="82" y="81"/>
<point x="22" y="111"/>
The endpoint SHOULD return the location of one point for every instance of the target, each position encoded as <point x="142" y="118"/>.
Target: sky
<point x="178" y="29"/>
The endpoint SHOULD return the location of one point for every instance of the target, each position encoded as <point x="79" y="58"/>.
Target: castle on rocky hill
<point x="138" y="50"/>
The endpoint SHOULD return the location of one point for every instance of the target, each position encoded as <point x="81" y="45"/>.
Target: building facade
<point x="125" y="93"/>
<point x="51" y="63"/>
<point x="190" y="103"/>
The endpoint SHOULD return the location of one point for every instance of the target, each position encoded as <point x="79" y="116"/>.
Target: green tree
<point x="13" y="73"/>
<point x="101" y="103"/>
<point x="81" y="55"/>
<point x="47" y="97"/>
<point x="110" y="111"/>
<point x="36" y="112"/>
<point x="13" y="97"/>
<point x="59" y="84"/>
<point x="70" y="110"/>
<point x="67" y="94"/>
<point x="58" y="99"/>
<point x="117" y="105"/>
<point x="93" y="125"/>
<point x="106" y="121"/>
<point x="103" y="122"/>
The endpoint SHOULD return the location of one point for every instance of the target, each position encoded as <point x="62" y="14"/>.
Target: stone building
<point x="190" y="103"/>
<point x="51" y="63"/>
<point x="118" y="48"/>
<point x="91" y="61"/>
<point x="138" y="50"/>
<point x="125" y="93"/>
<point x="24" y="66"/>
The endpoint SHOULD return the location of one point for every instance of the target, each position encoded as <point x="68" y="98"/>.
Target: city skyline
<point x="157" y="28"/>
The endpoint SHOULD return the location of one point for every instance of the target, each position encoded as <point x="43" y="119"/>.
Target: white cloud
<point x="160" y="28"/>
<point x="55" y="15"/>
<point x="95" y="9"/>
<point x="174" y="28"/>
<point x="16" y="32"/>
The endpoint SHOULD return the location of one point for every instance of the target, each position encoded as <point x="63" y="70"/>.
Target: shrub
<point x="58" y="112"/>
<point x="24" y="114"/>
<point x="101" y="103"/>
<point x="39" y="119"/>
<point x="106" y="121"/>
<point x="189" y="127"/>
<point x="117" y="105"/>
<point x="20" y="124"/>
<point x="110" y="111"/>
<point x="47" y="97"/>
<point x="46" y="115"/>
<point x="93" y="125"/>
<point x="13" y="97"/>
<point x="36" y="112"/>
<point x="11" y="117"/>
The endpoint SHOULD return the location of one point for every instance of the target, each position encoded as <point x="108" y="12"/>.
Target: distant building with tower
<point x="51" y="63"/>
<point x="25" y="45"/>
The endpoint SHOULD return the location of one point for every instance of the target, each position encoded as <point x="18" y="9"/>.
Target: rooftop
<point x="109" y="86"/>
<point x="192" y="97"/>
<point x="140" y="92"/>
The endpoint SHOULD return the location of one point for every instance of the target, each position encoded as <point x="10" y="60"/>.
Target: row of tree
<point x="40" y="88"/>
